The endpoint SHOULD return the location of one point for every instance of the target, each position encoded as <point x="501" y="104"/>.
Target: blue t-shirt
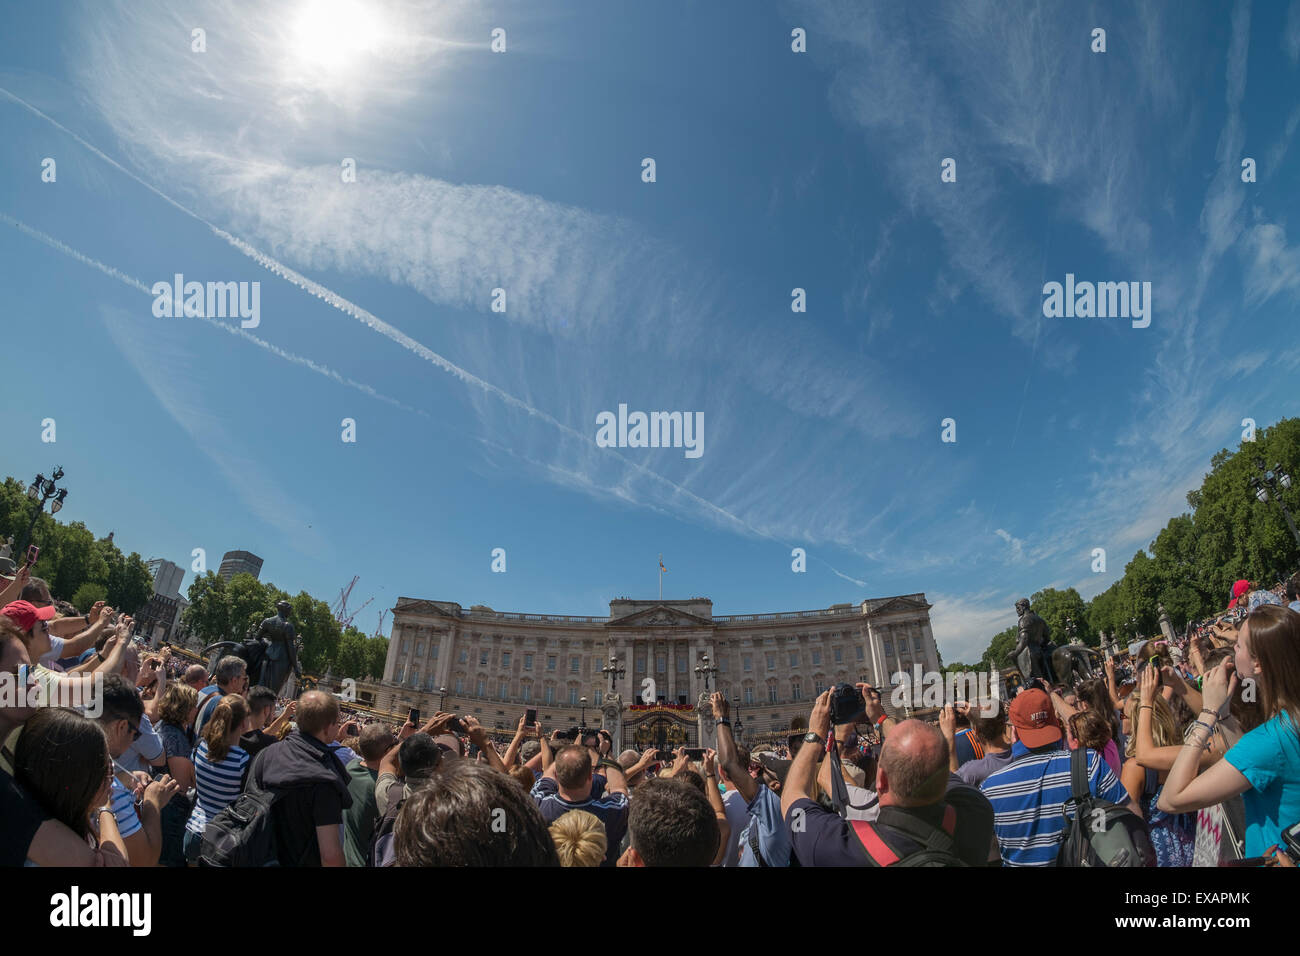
<point x="773" y="835"/>
<point x="1269" y="757"/>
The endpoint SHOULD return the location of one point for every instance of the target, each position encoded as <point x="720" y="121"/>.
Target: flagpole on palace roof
<point x="661" y="577"/>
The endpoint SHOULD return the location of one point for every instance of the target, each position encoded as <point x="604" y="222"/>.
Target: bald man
<point x="920" y="806"/>
<point x="308" y="817"/>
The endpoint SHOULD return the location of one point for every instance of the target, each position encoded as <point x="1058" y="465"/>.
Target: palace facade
<point x="666" y="656"/>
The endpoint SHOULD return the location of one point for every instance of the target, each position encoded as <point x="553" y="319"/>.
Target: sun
<point x="333" y="35"/>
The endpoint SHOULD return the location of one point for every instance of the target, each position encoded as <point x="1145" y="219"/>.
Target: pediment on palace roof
<point x="660" y="616"/>
<point x="899" y="604"/>
<point x="421" y="606"/>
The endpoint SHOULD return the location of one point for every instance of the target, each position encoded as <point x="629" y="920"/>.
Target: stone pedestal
<point x="611" y="720"/>
<point x="705" y="726"/>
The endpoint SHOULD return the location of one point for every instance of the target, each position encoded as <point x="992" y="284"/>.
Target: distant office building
<point x="167" y="577"/>
<point x="239" y="562"/>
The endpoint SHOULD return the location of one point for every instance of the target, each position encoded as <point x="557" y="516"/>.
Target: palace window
<point x="403" y="647"/>
<point x="528" y="662"/>
<point x="748" y="662"/>
<point x="528" y="693"/>
<point x="889" y="648"/>
<point x="575" y="665"/>
<point x="573" y="697"/>
<point x="817" y="656"/>
<point x="794" y="658"/>
<point x="482" y="658"/>
<point x="681" y="663"/>
<point x="428" y="685"/>
<point x="796" y="690"/>
<point x="503" y="690"/>
<point x="722" y="666"/>
<point x="771" y="693"/>
<point x="419" y="648"/>
<point x="464" y="655"/>
<point x="433" y="650"/>
<point x="460" y="685"/>
<point x="839" y="655"/>
<point x="400" y="674"/>
<point x="771" y="661"/>
<point x="505" y="658"/>
<point x="860" y="653"/>
<point x="550" y="693"/>
<point x="550" y="662"/>
<point x="916" y="644"/>
<point x="599" y="698"/>
<point x="749" y="695"/>
<point x="480" y="688"/>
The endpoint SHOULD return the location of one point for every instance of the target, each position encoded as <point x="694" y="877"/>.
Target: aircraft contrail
<point x="134" y="283"/>
<point x="396" y="335"/>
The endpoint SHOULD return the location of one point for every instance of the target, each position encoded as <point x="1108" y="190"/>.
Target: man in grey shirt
<point x="996" y="736"/>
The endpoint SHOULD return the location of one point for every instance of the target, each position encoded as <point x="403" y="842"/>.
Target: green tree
<point x="997" y="654"/>
<point x="319" y="631"/>
<point x="376" y="656"/>
<point x="1056" y="607"/>
<point x="208" y="614"/>
<point x="87" y="595"/>
<point x="351" y="658"/>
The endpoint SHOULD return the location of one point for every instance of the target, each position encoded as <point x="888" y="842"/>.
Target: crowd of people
<point x="1189" y="749"/>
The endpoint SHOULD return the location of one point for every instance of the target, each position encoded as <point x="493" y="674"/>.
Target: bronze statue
<point x="1031" y="651"/>
<point x="277" y="635"/>
<point x="1074" y="663"/>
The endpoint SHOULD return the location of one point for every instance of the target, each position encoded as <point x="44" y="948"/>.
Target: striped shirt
<point x="122" y="801"/>
<point x="218" y="784"/>
<point x="1028" y="797"/>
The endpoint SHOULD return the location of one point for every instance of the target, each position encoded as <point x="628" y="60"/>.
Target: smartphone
<point x="530" y="717"/>
<point x="33" y="553"/>
<point x="664" y="755"/>
<point x="414" y="716"/>
<point x="1291" y="841"/>
<point x="457" y="726"/>
<point x="695" y="753"/>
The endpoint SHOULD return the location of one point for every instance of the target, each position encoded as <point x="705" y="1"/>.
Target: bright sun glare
<point x="333" y="34"/>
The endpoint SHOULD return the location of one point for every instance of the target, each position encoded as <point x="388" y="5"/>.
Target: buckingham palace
<point x="643" y="670"/>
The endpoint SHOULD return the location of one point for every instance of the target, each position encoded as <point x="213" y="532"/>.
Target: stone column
<point x="670" y="693"/>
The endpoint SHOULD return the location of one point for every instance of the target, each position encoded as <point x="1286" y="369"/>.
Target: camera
<point x="457" y="726"/>
<point x="847" y="704"/>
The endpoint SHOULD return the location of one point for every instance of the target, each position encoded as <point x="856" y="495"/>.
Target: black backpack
<point x="937" y="847"/>
<point x="1100" y="833"/>
<point x="243" y="834"/>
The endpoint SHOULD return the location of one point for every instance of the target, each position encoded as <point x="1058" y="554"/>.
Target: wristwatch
<point x="812" y="738"/>
<point x="723" y="722"/>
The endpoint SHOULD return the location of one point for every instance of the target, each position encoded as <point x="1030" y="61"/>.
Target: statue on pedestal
<point x="277" y="635"/>
<point x="1030" y="653"/>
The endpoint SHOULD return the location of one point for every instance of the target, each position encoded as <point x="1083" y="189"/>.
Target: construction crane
<point x="340" y="609"/>
<point x="379" y="631"/>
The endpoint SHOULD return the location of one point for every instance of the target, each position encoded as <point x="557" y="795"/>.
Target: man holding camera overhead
<point x="927" y="818"/>
<point x="765" y="842"/>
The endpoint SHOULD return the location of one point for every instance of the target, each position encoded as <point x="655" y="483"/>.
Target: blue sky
<point x="522" y="170"/>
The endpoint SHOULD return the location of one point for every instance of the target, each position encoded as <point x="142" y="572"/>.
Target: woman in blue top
<point x="1264" y="765"/>
<point x="219" y="765"/>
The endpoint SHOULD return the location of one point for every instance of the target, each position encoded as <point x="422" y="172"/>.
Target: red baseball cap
<point x="1239" y="588"/>
<point x="25" y="614"/>
<point x="1034" y="718"/>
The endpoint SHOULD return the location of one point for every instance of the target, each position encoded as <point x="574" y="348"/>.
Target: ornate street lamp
<point x="1274" y="480"/>
<point x="614" y="670"/>
<point x="40" y="491"/>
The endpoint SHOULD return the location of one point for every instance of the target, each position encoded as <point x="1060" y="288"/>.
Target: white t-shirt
<point x="55" y="652"/>
<point x="738" y="817"/>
